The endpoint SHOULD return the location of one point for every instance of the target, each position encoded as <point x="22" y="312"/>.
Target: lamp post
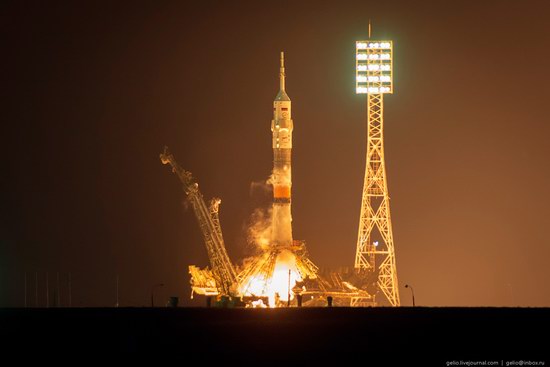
<point x="412" y="291"/>
<point x="153" y="293"/>
<point x="288" y="299"/>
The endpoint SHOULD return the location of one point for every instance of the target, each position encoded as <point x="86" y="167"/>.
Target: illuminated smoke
<point x="259" y="230"/>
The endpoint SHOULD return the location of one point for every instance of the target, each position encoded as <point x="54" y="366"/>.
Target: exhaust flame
<point x="277" y="286"/>
<point x="284" y="278"/>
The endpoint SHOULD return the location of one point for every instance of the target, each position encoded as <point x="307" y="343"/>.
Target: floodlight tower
<point x="375" y="254"/>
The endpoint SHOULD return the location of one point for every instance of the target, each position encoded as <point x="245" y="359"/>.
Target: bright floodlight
<point x="373" y="67"/>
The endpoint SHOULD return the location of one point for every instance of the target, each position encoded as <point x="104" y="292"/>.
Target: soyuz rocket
<point x="281" y="128"/>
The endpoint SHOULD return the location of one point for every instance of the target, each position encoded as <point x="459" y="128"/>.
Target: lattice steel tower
<point x="375" y="256"/>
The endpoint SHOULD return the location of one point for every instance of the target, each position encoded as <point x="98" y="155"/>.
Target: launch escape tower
<point x="375" y="254"/>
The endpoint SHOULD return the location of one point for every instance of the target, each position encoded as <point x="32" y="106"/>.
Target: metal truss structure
<point x="375" y="237"/>
<point x="223" y="271"/>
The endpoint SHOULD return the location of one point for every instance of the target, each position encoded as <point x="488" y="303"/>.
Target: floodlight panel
<point x="373" y="67"/>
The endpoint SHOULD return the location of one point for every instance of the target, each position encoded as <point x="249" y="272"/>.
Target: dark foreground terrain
<point x="320" y="336"/>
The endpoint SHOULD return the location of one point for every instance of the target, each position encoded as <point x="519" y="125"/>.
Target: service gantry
<point x="222" y="270"/>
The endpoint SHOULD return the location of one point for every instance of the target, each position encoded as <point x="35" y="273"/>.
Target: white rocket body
<point x="281" y="128"/>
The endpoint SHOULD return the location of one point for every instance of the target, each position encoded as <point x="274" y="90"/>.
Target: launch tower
<point x="375" y="254"/>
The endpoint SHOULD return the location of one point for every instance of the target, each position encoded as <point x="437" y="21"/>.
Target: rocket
<point x="281" y="129"/>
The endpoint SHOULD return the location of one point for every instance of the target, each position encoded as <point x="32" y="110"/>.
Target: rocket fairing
<point x="281" y="128"/>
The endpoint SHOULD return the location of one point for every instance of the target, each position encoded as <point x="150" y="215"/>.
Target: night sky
<point x="91" y="92"/>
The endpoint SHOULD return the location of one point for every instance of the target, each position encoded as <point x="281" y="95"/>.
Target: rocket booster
<point x="281" y="128"/>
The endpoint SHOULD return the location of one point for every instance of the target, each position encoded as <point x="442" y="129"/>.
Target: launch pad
<point x="281" y="273"/>
<point x="278" y="275"/>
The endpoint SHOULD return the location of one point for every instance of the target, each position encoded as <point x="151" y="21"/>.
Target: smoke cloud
<point x="259" y="229"/>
